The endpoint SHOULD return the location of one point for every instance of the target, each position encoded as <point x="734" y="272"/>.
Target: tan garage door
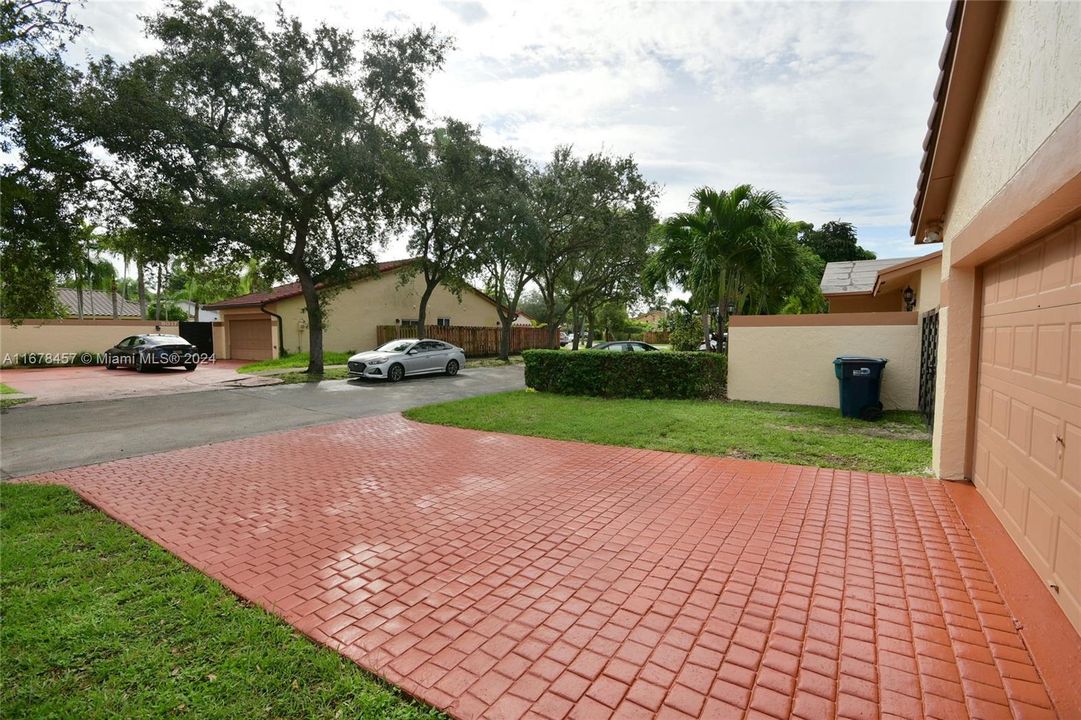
<point x="250" y="340"/>
<point x="1028" y="430"/>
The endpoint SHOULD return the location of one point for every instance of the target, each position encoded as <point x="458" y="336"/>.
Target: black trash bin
<point x="860" y="380"/>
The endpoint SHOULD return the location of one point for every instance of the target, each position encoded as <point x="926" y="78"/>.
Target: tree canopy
<point x="287" y="143"/>
<point x="834" y="241"/>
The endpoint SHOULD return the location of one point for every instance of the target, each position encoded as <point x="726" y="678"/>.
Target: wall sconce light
<point x="909" y="296"/>
<point x="731" y="308"/>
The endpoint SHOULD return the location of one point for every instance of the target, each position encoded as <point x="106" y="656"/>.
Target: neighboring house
<point x="204" y="315"/>
<point x="880" y="285"/>
<point x="96" y="304"/>
<point x="653" y="318"/>
<point x="250" y="323"/>
<point x="1000" y="188"/>
<point x="523" y="320"/>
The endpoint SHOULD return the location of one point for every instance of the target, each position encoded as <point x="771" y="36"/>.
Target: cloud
<point x="823" y="102"/>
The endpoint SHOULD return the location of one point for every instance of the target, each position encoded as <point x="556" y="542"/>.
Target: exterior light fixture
<point x="909" y="296"/>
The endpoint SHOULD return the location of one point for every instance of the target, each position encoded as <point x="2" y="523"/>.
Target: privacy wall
<point x="789" y="358"/>
<point x="53" y="337"/>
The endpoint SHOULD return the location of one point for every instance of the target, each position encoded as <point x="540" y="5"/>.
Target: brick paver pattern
<point x="505" y="577"/>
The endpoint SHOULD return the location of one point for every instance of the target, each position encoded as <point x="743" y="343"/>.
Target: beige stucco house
<point x="258" y="325"/>
<point x="858" y="286"/>
<point x="1000" y="189"/>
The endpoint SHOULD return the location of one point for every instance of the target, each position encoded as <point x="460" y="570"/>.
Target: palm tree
<point x="721" y="251"/>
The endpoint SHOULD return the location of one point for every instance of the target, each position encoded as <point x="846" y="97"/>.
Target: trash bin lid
<point x="854" y="359"/>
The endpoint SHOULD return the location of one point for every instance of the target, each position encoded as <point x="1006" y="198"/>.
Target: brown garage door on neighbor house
<point x="1027" y="460"/>
<point x="250" y="340"/>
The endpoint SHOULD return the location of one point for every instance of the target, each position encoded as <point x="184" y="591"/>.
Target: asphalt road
<point x="52" y="437"/>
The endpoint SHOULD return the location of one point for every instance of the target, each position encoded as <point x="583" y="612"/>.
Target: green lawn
<point x="7" y="389"/>
<point x="794" y="434"/>
<point x="296" y="360"/>
<point x="100" y="623"/>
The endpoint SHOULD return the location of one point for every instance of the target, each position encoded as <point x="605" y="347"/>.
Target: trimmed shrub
<point x="625" y="374"/>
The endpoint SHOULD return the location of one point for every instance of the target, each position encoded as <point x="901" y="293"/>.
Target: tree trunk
<point x="422" y="308"/>
<point x="116" y="312"/>
<point x="79" y="295"/>
<point x="505" y="336"/>
<point x="575" y="324"/>
<point x="592" y="326"/>
<point x="196" y="318"/>
<point x="141" y="281"/>
<point x="157" y="298"/>
<point x="705" y="328"/>
<point x="314" y="309"/>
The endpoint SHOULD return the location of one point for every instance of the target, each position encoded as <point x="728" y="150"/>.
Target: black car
<point x="626" y="346"/>
<point x="143" y="352"/>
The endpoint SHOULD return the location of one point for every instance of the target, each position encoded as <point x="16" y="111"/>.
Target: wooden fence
<point x="659" y="337"/>
<point x="476" y="341"/>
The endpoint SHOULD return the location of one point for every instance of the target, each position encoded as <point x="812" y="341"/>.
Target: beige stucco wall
<point x="71" y="336"/>
<point x="795" y="364"/>
<point x="929" y="289"/>
<point x="1030" y="86"/>
<point x="354" y="312"/>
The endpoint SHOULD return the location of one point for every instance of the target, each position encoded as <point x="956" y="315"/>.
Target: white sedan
<point x="400" y="358"/>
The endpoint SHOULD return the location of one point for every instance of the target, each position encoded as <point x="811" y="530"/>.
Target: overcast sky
<point x="826" y="103"/>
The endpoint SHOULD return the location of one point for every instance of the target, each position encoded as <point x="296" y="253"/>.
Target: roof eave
<point x="970" y="33"/>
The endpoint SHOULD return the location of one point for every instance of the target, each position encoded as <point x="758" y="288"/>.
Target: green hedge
<point x="624" y="374"/>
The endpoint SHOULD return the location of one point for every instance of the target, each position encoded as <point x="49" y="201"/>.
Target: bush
<point x="623" y="374"/>
<point x="686" y="333"/>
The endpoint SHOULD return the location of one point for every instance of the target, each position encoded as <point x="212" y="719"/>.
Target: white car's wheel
<point x="395" y="373"/>
<point x="452" y="368"/>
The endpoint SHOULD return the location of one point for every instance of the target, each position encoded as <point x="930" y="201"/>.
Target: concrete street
<point x="52" y="437"/>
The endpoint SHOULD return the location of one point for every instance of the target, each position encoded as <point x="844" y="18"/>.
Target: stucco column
<point x="955" y="393"/>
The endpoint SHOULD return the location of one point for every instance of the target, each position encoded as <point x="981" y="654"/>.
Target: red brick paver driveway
<point x="52" y="385"/>
<point x="504" y="576"/>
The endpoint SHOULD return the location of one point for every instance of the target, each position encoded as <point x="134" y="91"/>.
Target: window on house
<point x="409" y="323"/>
<point x="443" y="322"/>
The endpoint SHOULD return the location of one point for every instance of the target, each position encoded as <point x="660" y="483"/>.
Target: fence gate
<point x="928" y="365"/>
<point x="199" y="334"/>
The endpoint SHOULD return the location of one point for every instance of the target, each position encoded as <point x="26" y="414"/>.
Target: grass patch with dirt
<point x="295" y="360"/>
<point x="303" y="377"/>
<point x="7" y="389"/>
<point x="101" y="623"/>
<point x="801" y="435"/>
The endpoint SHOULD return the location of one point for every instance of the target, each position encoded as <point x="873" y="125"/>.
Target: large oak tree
<point x="289" y="141"/>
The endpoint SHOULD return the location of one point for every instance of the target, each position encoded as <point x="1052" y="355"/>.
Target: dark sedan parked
<point x="626" y="346"/>
<point x="143" y="352"/>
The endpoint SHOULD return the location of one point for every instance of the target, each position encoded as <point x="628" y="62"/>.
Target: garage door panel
<point x="1067" y="568"/>
<point x="1055" y="265"/>
<point x="1027" y="454"/>
<point x="1036" y="391"/>
<point x="250" y="339"/>
<point x="1050" y="351"/>
<point x="1008" y="460"/>
<point x="1071" y="460"/>
<point x="1073" y="373"/>
<point x="1020" y="430"/>
<point x="1041" y="528"/>
<point x="1060" y="252"/>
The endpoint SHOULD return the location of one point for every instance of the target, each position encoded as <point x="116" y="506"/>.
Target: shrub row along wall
<point x="789" y="358"/>
<point x="623" y="374"/>
<point x="475" y="341"/>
